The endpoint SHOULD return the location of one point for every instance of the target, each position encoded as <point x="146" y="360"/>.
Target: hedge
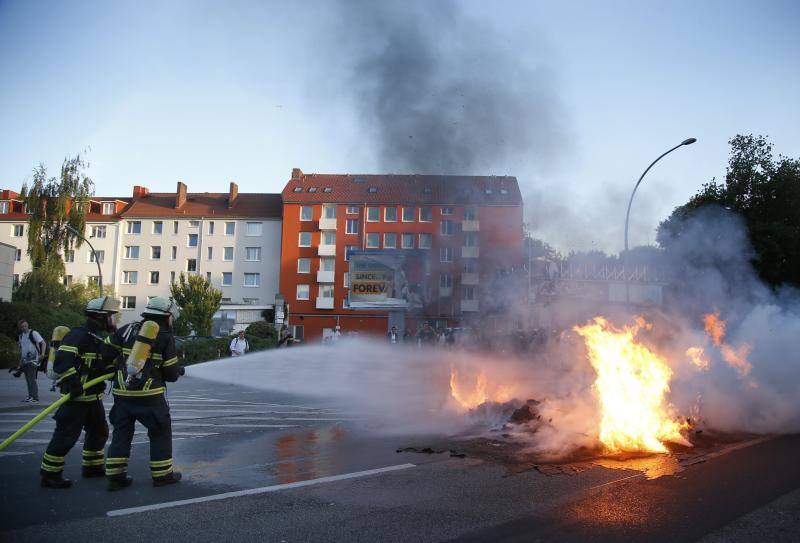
<point x="193" y="351"/>
<point x="41" y="318"/>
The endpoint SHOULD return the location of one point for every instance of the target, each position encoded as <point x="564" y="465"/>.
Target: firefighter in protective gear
<point x="139" y="393"/>
<point x="82" y="356"/>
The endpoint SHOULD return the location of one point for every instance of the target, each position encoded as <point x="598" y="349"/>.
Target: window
<point x="93" y="280"/>
<point x="230" y="228"/>
<point x="327" y="189"/>
<point x="210" y="253"/>
<point x="445" y="254"/>
<point x="158" y="227"/>
<point x="252" y="279"/>
<point x="5" y="205"/>
<point x="407" y="241"/>
<point x="208" y="277"/>
<point x="348" y="250"/>
<point x="425" y="214"/>
<point x="408" y="214"/>
<point x="447" y="211"/>
<point x="135" y="227"/>
<point x="425" y="241"/>
<point x="468" y="293"/>
<point x="252" y="254"/>
<point x="352" y="226"/>
<point x="227" y="254"/>
<point x="305" y="239"/>
<point x="250" y="301"/>
<point x="67" y="280"/>
<point x="253" y="229"/>
<point x="351" y="210"/>
<point x="390" y="214"/>
<point x="18" y="255"/>
<point x="210" y="228"/>
<point x="327" y="264"/>
<point x="130" y="277"/>
<point x="101" y="256"/>
<point x="303" y="265"/>
<point x="297" y="332"/>
<point x="172" y="277"/>
<point x="191" y="240"/>
<point x="69" y="256"/>
<point x="503" y="191"/>
<point x="297" y="189"/>
<point x="129" y="302"/>
<point x="446" y="228"/>
<point x="390" y="240"/>
<point x="346" y="279"/>
<point x="469" y="266"/>
<point x="373" y="240"/>
<point x="108" y="208"/>
<point x="470" y="239"/>
<point x="488" y="191"/>
<point x="174" y="227"/>
<point x="194" y="224"/>
<point x="132" y="252"/>
<point x="303" y="292"/>
<point x="469" y="214"/>
<point x="329" y="212"/>
<point x="329" y="238"/>
<point x="227" y="279"/>
<point x="174" y="252"/>
<point x="98" y="232"/>
<point x="446" y="280"/>
<point x="372" y="190"/>
<point x="312" y="189"/>
<point x="326" y="291"/>
<point x="191" y="264"/>
<point x="154" y="277"/>
<point x="373" y="214"/>
<point x="19" y="230"/>
<point x="306" y="213"/>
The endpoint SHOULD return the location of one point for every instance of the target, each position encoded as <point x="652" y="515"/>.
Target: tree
<point x="766" y="193"/>
<point x="53" y="203"/>
<point x="198" y="301"/>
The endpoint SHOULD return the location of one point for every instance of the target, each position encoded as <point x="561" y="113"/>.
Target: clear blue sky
<point x="212" y="92"/>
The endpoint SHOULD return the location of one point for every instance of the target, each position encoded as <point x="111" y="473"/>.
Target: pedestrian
<point x="393" y="336"/>
<point x="31" y="354"/>
<point x="427" y="336"/>
<point x="240" y="346"/>
<point x="141" y="397"/>
<point x="81" y="357"/>
<point x="337" y="334"/>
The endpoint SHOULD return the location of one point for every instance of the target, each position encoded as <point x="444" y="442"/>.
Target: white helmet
<point x="103" y="305"/>
<point x="160" y="305"/>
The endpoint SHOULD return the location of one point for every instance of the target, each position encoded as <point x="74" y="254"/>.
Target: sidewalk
<point x="13" y="391"/>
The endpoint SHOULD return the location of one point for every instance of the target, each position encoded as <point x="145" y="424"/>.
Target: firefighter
<point x="139" y="395"/>
<point x="81" y="356"/>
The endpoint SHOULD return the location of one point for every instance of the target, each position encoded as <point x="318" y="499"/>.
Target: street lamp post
<point x="688" y="141"/>
<point x="75" y="233"/>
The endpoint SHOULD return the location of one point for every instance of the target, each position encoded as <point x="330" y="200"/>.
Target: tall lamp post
<point x="688" y="141"/>
<point x="77" y="234"/>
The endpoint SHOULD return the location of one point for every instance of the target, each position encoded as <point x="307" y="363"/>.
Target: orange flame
<point x="715" y="327"/>
<point x="698" y="357"/>
<point x="631" y="384"/>
<point x="481" y="392"/>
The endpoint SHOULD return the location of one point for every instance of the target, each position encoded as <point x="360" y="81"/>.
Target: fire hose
<point x="52" y="407"/>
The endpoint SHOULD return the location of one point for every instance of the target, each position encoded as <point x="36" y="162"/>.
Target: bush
<point x="262" y="329"/>
<point x="40" y="317"/>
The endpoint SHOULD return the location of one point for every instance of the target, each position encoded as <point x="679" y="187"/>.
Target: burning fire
<point x="715" y="327"/>
<point x="631" y="384"/>
<point x="735" y="358"/>
<point x="698" y="357"/>
<point x="470" y="397"/>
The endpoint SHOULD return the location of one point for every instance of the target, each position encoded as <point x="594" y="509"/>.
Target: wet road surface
<point x="317" y="472"/>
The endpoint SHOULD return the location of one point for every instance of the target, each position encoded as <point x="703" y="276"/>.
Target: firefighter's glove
<point x="182" y="371"/>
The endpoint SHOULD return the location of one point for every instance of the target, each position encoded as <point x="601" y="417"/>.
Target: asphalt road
<point x="302" y="469"/>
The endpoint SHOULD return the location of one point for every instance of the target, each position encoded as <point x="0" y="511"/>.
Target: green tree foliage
<point x="263" y="330"/>
<point x="198" y="301"/>
<point x="54" y="203"/>
<point x="40" y="317"/>
<point x="766" y="192"/>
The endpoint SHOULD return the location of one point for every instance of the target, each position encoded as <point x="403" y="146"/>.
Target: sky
<point x="575" y="99"/>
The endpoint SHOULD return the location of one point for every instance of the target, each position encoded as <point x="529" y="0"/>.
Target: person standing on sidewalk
<point x="32" y="351"/>
<point x="240" y="346"/>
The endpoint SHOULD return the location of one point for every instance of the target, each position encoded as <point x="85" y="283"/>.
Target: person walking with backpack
<point x="32" y="348"/>
<point x="142" y="397"/>
<point x="240" y="346"/>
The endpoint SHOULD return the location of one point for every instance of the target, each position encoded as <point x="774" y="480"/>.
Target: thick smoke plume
<point x="443" y="93"/>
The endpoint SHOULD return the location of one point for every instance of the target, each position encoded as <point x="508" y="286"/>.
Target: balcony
<point x="469" y="306"/>
<point x="445" y="292"/>
<point x="325" y="276"/>
<point x="326" y="250"/>
<point x="470" y="252"/>
<point x="470" y="226"/>
<point x="327" y="224"/>
<point x="469" y="279"/>
<point x="324" y="303"/>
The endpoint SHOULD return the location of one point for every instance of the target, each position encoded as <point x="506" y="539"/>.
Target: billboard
<point x="387" y="279"/>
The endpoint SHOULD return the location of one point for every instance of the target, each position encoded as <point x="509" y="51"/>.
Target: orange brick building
<point x="470" y="227"/>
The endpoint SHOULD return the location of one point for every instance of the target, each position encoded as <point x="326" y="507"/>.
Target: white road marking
<point x="15" y="453"/>
<point x="254" y="491"/>
<point x="30" y="440"/>
<point x="224" y="425"/>
<point x="195" y="434"/>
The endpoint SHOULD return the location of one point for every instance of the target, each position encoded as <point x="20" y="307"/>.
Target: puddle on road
<point x="653" y="466"/>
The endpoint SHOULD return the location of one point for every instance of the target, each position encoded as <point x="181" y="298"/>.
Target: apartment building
<point x="469" y="226"/>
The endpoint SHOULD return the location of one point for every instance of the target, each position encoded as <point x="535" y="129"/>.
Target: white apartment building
<point x="232" y="239"/>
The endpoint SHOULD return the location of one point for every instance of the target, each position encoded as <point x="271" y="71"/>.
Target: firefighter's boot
<point x="55" y="481"/>
<point x="118" y="482"/>
<point x="170" y="479"/>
